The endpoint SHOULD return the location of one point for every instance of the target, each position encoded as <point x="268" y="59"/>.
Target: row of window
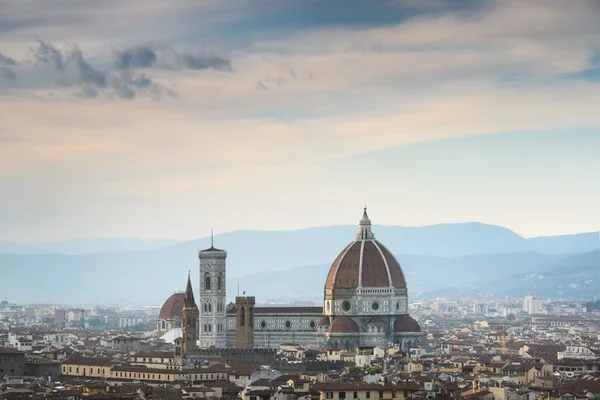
<point x="207" y="307"/>
<point x="288" y="324"/>
<point x="207" y="327"/>
<point x="207" y="282"/>
<point x="342" y="395"/>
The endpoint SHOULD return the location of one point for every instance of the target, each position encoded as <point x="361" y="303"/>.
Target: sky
<point x="154" y="119"/>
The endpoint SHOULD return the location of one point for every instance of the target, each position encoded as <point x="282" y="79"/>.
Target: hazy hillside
<point x="83" y="246"/>
<point x="423" y="274"/>
<point x="576" y="276"/>
<point x="433" y="258"/>
<point x="82" y="280"/>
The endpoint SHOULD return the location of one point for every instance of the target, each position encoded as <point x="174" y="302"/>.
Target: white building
<point x="213" y="320"/>
<point x="532" y="305"/>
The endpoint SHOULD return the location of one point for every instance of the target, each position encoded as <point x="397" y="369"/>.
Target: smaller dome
<point x="343" y="324"/>
<point x="376" y="320"/>
<point x="324" y="321"/>
<point x="172" y="307"/>
<point x="405" y="324"/>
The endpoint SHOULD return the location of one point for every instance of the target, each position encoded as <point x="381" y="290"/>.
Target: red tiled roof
<point x="172" y="307"/>
<point x="378" y="266"/>
<point x="343" y="324"/>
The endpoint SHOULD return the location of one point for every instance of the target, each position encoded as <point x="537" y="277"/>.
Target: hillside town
<point x="493" y="349"/>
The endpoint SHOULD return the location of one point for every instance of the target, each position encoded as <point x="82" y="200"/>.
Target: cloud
<point x="6" y="72"/>
<point x="206" y="61"/>
<point x="7" y="61"/>
<point x="47" y="54"/>
<point x="69" y="67"/>
<point x="135" y="57"/>
<point x="161" y="56"/>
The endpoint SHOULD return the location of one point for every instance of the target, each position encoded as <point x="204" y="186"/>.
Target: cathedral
<point x="365" y="303"/>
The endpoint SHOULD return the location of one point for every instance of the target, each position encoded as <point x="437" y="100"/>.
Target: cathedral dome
<point x="343" y="324"/>
<point x="172" y="307"/>
<point x="365" y="262"/>
<point x="406" y="324"/>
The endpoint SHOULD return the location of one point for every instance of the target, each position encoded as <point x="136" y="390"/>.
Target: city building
<point x="365" y="304"/>
<point x="532" y="305"/>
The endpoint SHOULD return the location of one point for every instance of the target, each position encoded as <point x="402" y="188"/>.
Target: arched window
<point x="210" y="327"/>
<point x="242" y="316"/>
<point x="209" y="307"/>
<point x="164" y="324"/>
<point x="207" y="281"/>
<point x="219" y="282"/>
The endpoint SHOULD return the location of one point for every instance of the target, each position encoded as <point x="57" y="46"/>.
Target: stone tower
<point x="189" y="321"/>
<point x="244" y="331"/>
<point x="212" y="297"/>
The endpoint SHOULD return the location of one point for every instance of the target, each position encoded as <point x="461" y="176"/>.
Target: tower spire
<point x="364" y="227"/>
<point x="189" y="292"/>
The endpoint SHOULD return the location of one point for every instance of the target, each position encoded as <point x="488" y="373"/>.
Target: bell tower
<point x="212" y="297"/>
<point x="189" y="321"/>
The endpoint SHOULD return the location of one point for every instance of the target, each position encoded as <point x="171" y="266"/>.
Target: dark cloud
<point x="70" y="68"/>
<point x="127" y="84"/>
<point x="87" y="73"/>
<point x="8" y="74"/>
<point x="7" y="61"/>
<point x="206" y="61"/>
<point x="47" y="54"/>
<point x="135" y="57"/>
<point x="159" y="56"/>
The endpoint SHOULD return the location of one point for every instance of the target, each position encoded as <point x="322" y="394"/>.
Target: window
<point x="251" y="317"/>
<point x="263" y="324"/>
<point x="164" y="324"/>
<point x="330" y="395"/>
<point x="356" y="395"/>
<point x="207" y="281"/>
<point x="346" y="306"/>
<point x="288" y="324"/>
<point x="242" y="316"/>
<point x="342" y="395"/>
<point x="375" y="306"/>
<point x="368" y="395"/>
<point x="219" y="280"/>
<point x="312" y="324"/>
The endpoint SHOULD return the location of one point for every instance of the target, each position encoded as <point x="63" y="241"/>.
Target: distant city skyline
<point x="164" y="120"/>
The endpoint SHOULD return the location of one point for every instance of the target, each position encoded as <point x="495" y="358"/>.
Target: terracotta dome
<point x="343" y="324"/>
<point x="406" y="323"/>
<point x="365" y="262"/>
<point x="172" y="307"/>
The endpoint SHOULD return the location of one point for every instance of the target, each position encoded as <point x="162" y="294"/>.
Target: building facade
<point x="365" y="303"/>
<point x="213" y="319"/>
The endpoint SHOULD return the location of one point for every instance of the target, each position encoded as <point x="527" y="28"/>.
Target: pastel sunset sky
<point x="150" y="119"/>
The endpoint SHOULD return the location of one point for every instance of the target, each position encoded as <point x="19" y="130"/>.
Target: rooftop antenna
<point x="212" y="237"/>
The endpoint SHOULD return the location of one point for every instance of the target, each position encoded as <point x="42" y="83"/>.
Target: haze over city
<point x="153" y="119"/>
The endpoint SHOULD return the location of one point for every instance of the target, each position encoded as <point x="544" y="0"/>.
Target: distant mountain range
<point x="292" y="264"/>
<point x="85" y="246"/>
